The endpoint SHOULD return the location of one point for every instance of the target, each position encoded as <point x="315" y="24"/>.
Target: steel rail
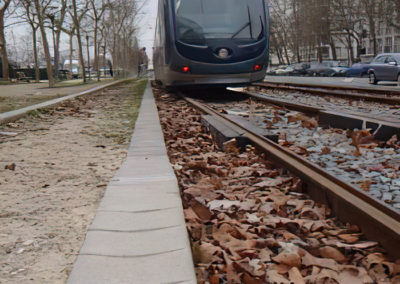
<point x="385" y="127"/>
<point x="377" y="221"/>
<point x="339" y="91"/>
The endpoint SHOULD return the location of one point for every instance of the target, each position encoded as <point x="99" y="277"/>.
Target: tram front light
<point x="185" y="69"/>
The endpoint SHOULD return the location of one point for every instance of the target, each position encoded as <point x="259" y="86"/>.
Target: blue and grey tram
<point x="214" y="43"/>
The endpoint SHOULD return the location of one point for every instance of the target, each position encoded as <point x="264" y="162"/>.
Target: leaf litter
<point x="247" y="223"/>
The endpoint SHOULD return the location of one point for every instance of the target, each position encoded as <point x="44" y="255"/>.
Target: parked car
<point x="358" y="70"/>
<point x="385" y="67"/>
<point x="328" y="69"/>
<point x="277" y="70"/>
<point x="298" y="69"/>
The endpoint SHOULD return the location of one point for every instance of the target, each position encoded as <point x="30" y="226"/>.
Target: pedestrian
<point x="111" y="68"/>
<point x="143" y="62"/>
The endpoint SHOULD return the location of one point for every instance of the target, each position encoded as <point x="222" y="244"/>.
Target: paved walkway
<point x="361" y="83"/>
<point x="42" y="89"/>
<point x="139" y="233"/>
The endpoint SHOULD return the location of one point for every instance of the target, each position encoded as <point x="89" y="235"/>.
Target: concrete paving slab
<point x="157" y="269"/>
<point x="139" y="233"/>
<point x="140" y="221"/>
<point x="139" y="166"/>
<point x="138" y="200"/>
<point x="135" y="244"/>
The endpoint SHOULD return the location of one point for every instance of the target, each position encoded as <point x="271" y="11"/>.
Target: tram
<point x="214" y="43"/>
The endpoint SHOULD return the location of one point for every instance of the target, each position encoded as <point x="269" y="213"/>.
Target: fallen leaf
<point x="201" y="210"/>
<point x="330" y="252"/>
<point x="309" y="260"/>
<point x="295" y="276"/>
<point x="349" y="238"/>
<point x="10" y="167"/>
<point x="290" y="259"/>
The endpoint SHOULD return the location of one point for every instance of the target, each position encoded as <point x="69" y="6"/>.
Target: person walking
<point x="143" y="62"/>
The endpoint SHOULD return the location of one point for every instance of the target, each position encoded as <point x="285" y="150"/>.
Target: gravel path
<point x="54" y="167"/>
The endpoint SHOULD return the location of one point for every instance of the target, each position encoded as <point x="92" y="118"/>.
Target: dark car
<point x="299" y="69"/>
<point x="385" y="67"/>
<point x="358" y="70"/>
<point x="327" y="69"/>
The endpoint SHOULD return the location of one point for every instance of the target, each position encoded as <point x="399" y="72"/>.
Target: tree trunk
<point x="78" y="36"/>
<point x="55" y="68"/>
<point x="35" y="55"/>
<point x="71" y="50"/>
<point x="45" y="44"/>
<point x="96" y="51"/>
<point x="333" y="48"/>
<point x="3" y="49"/>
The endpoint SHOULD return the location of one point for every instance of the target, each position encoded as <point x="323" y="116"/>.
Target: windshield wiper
<point x="245" y="26"/>
<point x="241" y="29"/>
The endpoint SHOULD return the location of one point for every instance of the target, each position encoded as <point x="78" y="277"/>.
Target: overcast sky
<point x="147" y="25"/>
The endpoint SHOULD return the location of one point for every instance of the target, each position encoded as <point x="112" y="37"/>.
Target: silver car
<point x="385" y="67"/>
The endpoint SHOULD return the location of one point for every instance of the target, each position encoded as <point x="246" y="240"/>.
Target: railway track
<point x="377" y="220"/>
<point x="380" y="96"/>
<point x="383" y="121"/>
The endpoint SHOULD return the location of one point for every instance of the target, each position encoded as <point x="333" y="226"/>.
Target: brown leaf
<point x="270" y="182"/>
<point x="330" y="252"/>
<point x="201" y="210"/>
<point x="10" y="167"/>
<point x="231" y="275"/>
<point x="366" y="185"/>
<point x="354" y="275"/>
<point x="275" y="277"/>
<point x="326" y="150"/>
<point x="295" y="276"/>
<point x="231" y="147"/>
<point x="205" y="253"/>
<point x="249" y="279"/>
<point x="214" y="277"/>
<point x="309" y="260"/>
<point x="350" y="238"/>
<point x="190" y="216"/>
<point x="290" y="259"/>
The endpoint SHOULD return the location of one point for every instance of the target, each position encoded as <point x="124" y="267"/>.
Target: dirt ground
<point x="54" y="167"/>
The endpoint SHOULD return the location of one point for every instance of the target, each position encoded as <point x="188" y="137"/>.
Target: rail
<point x="377" y="221"/>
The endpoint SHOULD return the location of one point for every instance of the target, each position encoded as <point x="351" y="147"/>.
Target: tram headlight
<point x="223" y="53"/>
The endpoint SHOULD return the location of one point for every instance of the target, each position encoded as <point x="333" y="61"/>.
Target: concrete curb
<point x="139" y="233"/>
<point x="13" y="115"/>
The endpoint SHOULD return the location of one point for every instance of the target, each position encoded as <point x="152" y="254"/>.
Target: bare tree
<point x="392" y="9"/>
<point x="31" y="18"/>
<point x="3" y="44"/>
<point x="56" y="14"/>
<point x="77" y="15"/>
<point x="41" y="7"/>
<point x="96" y="14"/>
<point x="119" y="23"/>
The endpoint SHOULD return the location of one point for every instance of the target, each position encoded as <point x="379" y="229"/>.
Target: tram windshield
<point x="200" y="20"/>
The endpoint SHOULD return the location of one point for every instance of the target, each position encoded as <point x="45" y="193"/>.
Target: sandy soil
<point x="63" y="160"/>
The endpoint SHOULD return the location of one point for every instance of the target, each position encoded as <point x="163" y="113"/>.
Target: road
<point x="334" y="81"/>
